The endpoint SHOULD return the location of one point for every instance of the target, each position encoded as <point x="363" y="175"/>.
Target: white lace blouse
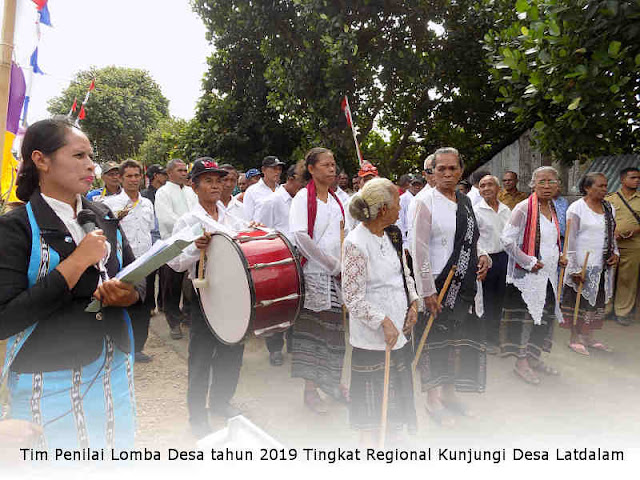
<point x="373" y="288"/>
<point x="322" y="251"/>
<point x="588" y="234"/>
<point x="434" y="231"/>
<point x="533" y="286"/>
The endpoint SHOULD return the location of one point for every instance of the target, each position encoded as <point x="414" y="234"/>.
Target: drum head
<point x="227" y="298"/>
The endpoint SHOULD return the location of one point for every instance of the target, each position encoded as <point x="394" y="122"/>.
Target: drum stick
<point x="200" y="282"/>
<point x="423" y="340"/>
<point x="564" y="256"/>
<point x="385" y="398"/>
<point x="582" y="274"/>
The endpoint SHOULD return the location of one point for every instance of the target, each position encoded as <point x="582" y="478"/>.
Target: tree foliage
<point x="570" y="68"/>
<point x="292" y="61"/>
<point x="164" y="143"/>
<point x="124" y="108"/>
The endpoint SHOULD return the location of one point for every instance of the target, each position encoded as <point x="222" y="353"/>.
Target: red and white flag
<point x="347" y="113"/>
<point x="91" y="87"/>
<point x="83" y="114"/>
<point x="73" y="107"/>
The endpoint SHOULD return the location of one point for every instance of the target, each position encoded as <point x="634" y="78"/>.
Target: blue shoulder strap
<point x="42" y="260"/>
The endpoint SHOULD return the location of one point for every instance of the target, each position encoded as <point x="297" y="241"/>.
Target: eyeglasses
<point x="547" y="182"/>
<point x="428" y="171"/>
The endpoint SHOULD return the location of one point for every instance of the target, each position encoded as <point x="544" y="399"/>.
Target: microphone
<point x="87" y="220"/>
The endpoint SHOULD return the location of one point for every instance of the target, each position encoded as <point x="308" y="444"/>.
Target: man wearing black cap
<point x="206" y="353"/>
<point x="256" y="194"/>
<point x="157" y="176"/>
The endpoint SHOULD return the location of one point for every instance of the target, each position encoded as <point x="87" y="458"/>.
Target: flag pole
<point x="6" y="48"/>
<point x="353" y="131"/>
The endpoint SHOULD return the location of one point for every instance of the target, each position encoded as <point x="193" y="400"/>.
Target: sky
<point x="164" y="37"/>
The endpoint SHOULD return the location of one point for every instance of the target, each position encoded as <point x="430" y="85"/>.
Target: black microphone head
<point x="86" y="216"/>
<point x="87" y="220"/>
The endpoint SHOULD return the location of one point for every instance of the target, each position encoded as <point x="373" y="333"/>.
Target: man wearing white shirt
<point x="474" y="193"/>
<point x="232" y="206"/>
<point x="256" y="194"/>
<point x="492" y="216"/>
<point x="173" y="200"/>
<point x="340" y="193"/>
<point x="214" y="367"/>
<point x="429" y="177"/>
<point x="275" y="214"/>
<point x="137" y="221"/>
<point x="415" y="185"/>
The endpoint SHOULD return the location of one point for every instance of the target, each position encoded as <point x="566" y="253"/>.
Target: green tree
<point x="570" y="69"/>
<point x="124" y="108"/>
<point x="401" y="75"/>
<point x="164" y="143"/>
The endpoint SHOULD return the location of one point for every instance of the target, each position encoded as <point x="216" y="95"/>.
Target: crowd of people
<point x="494" y="267"/>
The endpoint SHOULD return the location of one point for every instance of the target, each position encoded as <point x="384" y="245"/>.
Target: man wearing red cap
<point x="367" y="172"/>
<point x="214" y="367"/>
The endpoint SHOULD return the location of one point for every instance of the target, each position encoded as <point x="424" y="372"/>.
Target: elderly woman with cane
<point x="383" y="305"/>
<point x="531" y="238"/>
<point x="591" y="233"/>
<point x="445" y="239"/>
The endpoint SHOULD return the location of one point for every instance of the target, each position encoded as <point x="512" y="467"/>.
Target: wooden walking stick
<point x="345" y="377"/>
<point x="385" y="398"/>
<point x="564" y="255"/>
<point x="443" y="292"/>
<point x="582" y="274"/>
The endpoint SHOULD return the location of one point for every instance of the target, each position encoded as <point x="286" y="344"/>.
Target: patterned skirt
<point x="317" y="349"/>
<point x="455" y="352"/>
<point x="92" y="406"/>
<point x="589" y="317"/>
<point x="519" y="336"/>
<point x="367" y="384"/>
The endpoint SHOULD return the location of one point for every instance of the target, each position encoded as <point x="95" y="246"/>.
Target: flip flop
<point x="456" y="406"/>
<point x="579" y="348"/>
<point x="441" y="417"/>
<point x="546" y="369"/>
<point x="601" y="346"/>
<point x="528" y="376"/>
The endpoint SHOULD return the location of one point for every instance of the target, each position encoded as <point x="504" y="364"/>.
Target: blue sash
<point x="90" y="406"/>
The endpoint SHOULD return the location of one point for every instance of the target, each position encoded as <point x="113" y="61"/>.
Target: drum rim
<point x="303" y="286"/>
<point x="252" y="293"/>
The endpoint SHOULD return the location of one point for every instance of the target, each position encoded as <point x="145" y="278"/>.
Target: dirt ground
<point x="594" y="402"/>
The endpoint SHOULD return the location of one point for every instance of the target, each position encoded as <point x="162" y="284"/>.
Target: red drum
<point x="253" y="282"/>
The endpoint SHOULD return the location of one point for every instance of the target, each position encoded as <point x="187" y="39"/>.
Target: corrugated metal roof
<point x="611" y="167"/>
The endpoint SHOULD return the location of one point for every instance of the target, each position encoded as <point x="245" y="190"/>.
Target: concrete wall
<point x="519" y="157"/>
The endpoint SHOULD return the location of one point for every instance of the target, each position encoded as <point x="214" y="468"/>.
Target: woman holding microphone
<point x="66" y="370"/>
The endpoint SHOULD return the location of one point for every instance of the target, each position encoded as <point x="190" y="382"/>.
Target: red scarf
<point x="312" y="206"/>
<point x="312" y="209"/>
<point x="531" y="239"/>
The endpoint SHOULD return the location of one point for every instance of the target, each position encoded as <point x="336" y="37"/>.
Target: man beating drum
<point x="206" y="352"/>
